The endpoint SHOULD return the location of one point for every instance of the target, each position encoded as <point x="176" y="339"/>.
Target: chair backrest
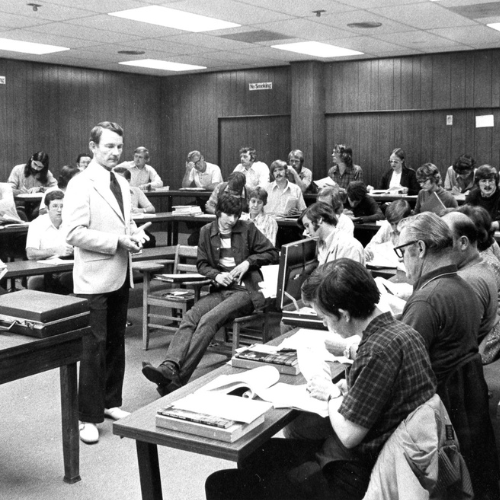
<point x="185" y="259"/>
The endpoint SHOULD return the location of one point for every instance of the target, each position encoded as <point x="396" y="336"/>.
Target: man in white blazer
<point x="97" y="216"/>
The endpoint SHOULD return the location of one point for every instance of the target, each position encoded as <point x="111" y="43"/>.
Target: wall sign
<point x="260" y="86"/>
<point x="2" y="80"/>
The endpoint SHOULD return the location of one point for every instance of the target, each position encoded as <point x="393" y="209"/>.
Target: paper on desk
<point x="383" y="255"/>
<point x="294" y="396"/>
<point x="221" y="405"/>
<point x="268" y="287"/>
<point x="56" y="261"/>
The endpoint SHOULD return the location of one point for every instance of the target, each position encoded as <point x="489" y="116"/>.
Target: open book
<point x="257" y="355"/>
<point x="179" y="277"/>
<point x="383" y="256"/>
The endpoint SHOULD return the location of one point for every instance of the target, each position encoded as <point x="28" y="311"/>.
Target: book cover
<point x="284" y="361"/>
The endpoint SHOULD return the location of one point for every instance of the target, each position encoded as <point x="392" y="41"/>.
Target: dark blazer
<point x="408" y="180"/>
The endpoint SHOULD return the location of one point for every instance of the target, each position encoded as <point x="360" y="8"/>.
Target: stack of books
<point x="285" y="361"/>
<point x="186" y="210"/>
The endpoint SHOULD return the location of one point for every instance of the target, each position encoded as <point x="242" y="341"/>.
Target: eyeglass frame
<point x="399" y="252"/>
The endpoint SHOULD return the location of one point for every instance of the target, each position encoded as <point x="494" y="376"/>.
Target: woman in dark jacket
<point x="399" y="170"/>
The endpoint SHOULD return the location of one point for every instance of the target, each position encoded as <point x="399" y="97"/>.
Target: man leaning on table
<point x="97" y="216"/>
<point x="200" y="172"/>
<point x="230" y="253"/>
<point x="144" y="176"/>
<point x="390" y="377"/>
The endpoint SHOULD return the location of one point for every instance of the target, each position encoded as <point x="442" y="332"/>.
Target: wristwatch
<point x="330" y="397"/>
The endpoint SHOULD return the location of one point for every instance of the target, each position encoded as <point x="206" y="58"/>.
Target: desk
<point x="21" y="356"/>
<point x="22" y="268"/>
<point x="141" y="427"/>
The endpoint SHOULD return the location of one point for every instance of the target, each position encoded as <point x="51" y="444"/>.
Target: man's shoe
<point x="116" y="413"/>
<point x="89" y="433"/>
<point x="161" y="375"/>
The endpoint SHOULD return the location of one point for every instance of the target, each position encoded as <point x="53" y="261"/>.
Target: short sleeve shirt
<point x="211" y="175"/>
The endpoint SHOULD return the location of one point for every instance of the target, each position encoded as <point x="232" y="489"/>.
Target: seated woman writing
<point x="432" y="197"/>
<point x="399" y="177"/>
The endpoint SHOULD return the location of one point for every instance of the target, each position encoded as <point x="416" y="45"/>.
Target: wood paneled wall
<point x="193" y="105"/>
<point x="52" y="108"/>
<point x="378" y="105"/>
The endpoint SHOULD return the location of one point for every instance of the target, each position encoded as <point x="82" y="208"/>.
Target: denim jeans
<point x="200" y="324"/>
<point x="102" y="367"/>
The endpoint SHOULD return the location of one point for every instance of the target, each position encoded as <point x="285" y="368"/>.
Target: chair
<point x="421" y="460"/>
<point x="168" y="297"/>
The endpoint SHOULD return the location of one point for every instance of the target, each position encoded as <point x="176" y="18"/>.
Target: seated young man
<point x="230" y="253"/>
<point x="47" y="239"/>
<point x="360" y="206"/>
<point x="390" y="377"/>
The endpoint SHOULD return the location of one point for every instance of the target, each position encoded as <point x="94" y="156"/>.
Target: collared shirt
<point x="138" y="199"/>
<point x="384" y="234"/>
<point x="280" y="202"/>
<point x="390" y="377"/>
<point x="141" y="176"/>
<point x="42" y="234"/>
<point x="257" y="174"/>
<point x="444" y="309"/>
<point x="20" y="183"/>
<point x="7" y="203"/>
<point x="306" y="176"/>
<point x="211" y="175"/>
<point x="354" y="173"/>
<point x="340" y="245"/>
<point x="452" y="180"/>
<point x="345" y="224"/>
<point x="267" y="225"/>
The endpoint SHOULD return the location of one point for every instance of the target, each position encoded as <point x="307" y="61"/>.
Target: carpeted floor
<point x="31" y="465"/>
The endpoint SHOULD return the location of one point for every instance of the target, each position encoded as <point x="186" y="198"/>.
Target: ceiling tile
<point x="420" y="40"/>
<point x="424" y="16"/>
<point x="470" y="35"/>
<point x="13" y="21"/>
<point x="48" y="38"/>
<point x="368" y="44"/>
<point x="306" y="29"/>
<point x="302" y="8"/>
<point x="207" y="40"/>
<point x="99" y="6"/>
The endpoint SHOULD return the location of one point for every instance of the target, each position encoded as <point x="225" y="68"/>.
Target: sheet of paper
<point x="268" y="287"/>
<point x="56" y="261"/>
<point x="221" y="405"/>
<point x="383" y="255"/>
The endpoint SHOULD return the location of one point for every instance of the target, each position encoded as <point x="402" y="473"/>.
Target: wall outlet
<point x="449" y="119"/>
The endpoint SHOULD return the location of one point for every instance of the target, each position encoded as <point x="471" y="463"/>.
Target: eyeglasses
<point x="422" y="182"/>
<point x="399" y="250"/>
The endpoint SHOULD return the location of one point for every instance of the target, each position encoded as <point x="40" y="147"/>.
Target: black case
<point x="42" y="314"/>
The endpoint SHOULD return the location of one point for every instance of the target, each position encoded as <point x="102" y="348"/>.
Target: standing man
<point x="256" y="172"/>
<point x="204" y="174"/>
<point x="144" y="176"/>
<point x="97" y="216"/>
<point x="230" y="253"/>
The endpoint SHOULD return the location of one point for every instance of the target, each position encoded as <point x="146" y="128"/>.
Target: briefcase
<point x="42" y="314"/>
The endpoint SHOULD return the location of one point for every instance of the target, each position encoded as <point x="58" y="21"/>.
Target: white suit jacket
<point x="93" y="220"/>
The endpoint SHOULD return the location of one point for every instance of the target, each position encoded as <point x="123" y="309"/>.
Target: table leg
<point x="175" y="231"/>
<point x="169" y="233"/>
<point x="149" y="471"/>
<point x="70" y="432"/>
<point x="146" y="283"/>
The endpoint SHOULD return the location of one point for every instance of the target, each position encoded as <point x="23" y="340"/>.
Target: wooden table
<point x="140" y="426"/>
<point x="22" y="356"/>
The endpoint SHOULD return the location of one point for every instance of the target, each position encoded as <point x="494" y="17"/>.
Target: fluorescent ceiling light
<point x="495" y="26"/>
<point x="317" y="49"/>
<point x="28" y="47"/>
<point x="165" y="65"/>
<point x="172" y="18"/>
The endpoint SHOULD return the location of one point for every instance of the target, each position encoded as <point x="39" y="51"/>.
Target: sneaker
<point x="89" y="433"/>
<point x="116" y="413"/>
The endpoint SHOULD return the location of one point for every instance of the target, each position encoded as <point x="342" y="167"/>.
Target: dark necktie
<point x="115" y="189"/>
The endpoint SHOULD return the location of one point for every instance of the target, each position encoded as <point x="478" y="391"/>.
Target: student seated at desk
<point x="360" y="206"/>
<point x="429" y="178"/>
<point x="396" y="211"/>
<point x="391" y="377"/>
<point x="200" y="172"/>
<point x="297" y="173"/>
<point x="255" y="172"/>
<point x="235" y="186"/>
<point x="33" y="176"/>
<point x="265" y="223"/>
<point x="399" y="177"/>
<point x="285" y="199"/>
<point x="319" y="223"/>
<point x="144" y="176"/>
<point x="335" y="197"/>
<point x="460" y="176"/>
<point x="486" y="194"/>
<point x="230" y="253"/>
<point x="46" y="238"/>
<point x="344" y="171"/>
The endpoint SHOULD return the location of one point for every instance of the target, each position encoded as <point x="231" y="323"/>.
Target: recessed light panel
<point x="29" y="47"/>
<point x="171" y="18"/>
<point x="495" y="26"/>
<point x="317" y="49"/>
<point x="164" y="65"/>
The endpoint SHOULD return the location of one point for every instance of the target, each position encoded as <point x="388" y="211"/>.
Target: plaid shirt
<point x="355" y="173"/>
<point x="390" y="377"/>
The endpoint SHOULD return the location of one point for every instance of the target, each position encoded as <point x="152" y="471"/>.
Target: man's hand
<point x="322" y="387"/>
<point x="224" y="279"/>
<point x="368" y="255"/>
<point x="145" y="187"/>
<point x="293" y="212"/>
<point x="189" y="166"/>
<point x="139" y="235"/>
<point x="238" y="272"/>
<point x="455" y="190"/>
<point x="34" y="190"/>
<point x="64" y="250"/>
